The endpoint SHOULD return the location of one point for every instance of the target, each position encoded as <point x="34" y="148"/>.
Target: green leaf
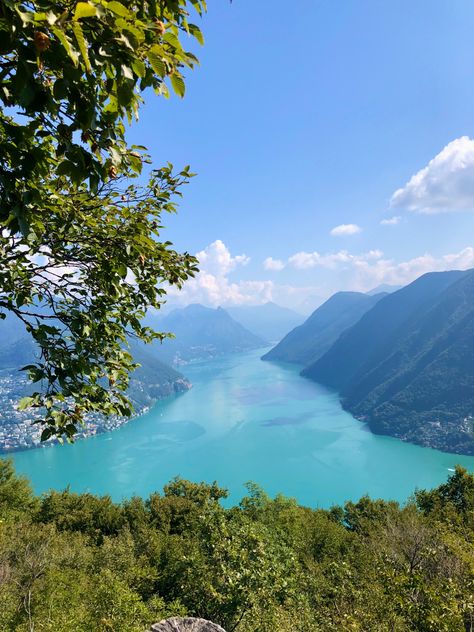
<point x="118" y="9"/>
<point x="197" y="33"/>
<point x="46" y="434"/>
<point x="25" y="402"/>
<point x="156" y="61"/>
<point x="84" y="10"/>
<point x="66" y="44"/>
<point x="178" y="85"/>
<point x="81" y="42"/>
<point x="138" y="67"/>
<point x="127" y="72"/>
<point x="172" y="40"/>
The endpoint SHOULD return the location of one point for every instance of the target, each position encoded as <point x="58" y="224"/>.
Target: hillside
<point x="11" y="330"/>
<point x="406" y="366"/>
<point x="269" y="321"/>
<point x="308" y="342"/>
<point x="152" y="381"/>
<point x="371" y="337"/>
<point x="201" y="332"/>
<point x="14" y="355"/>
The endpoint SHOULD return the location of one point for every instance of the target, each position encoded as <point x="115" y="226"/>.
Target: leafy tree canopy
<point x="78" y="562"/>
<point x="81" y="253"/>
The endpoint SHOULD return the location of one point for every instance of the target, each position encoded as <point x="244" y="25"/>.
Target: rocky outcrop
<point x="177" y="624"/>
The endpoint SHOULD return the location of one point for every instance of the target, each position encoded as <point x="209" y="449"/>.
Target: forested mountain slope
<point x="407" y="367"/>
<point x="308" y="342"/>
<point x="372" y="336"/>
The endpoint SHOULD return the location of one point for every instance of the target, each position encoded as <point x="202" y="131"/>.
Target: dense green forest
<point x="80" y="562"/>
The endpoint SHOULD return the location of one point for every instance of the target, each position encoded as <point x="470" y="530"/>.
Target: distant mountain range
<point x="269" y="321"/>
<point x="384" y="287"/>
<point x="372" y="337"/>
<point x="200" y="333"/>
<point x="314" y="337"/>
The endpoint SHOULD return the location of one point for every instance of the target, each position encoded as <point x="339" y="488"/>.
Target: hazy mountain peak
<point x="268" y="320"/>
<point x="313" y="338"/>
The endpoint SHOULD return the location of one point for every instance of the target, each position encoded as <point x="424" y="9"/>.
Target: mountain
<point x="384" y="287"/>
<point x="269" y="321"/>
<point x="370" y="338"/>
<point x="14" y="355"/>
<point x="406" y="367"/>
<point x="11" y="329"/>
<point x="308" y="342"/>
<point x="201" y="332"/>
<point x="153" y="380"/>
<point x="310" y="303"/>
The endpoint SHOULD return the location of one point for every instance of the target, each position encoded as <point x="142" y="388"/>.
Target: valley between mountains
<point x="400" y="361"/>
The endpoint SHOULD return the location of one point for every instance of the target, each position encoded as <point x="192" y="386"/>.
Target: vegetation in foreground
<point x="79" y="562"/>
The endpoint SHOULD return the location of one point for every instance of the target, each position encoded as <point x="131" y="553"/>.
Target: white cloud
<point x="368" y="274"/>
<point x="391" y="221"/>
<point x="445" y="184"/>
<point x="216" y="259"/>
<point x="212" y="285"/>
<point x="304" y="260"/>
<point x="335" y="271"/>
<point x="273" y="264"/>
<point x="345" y="229"/>
<point x="363" y="271"/>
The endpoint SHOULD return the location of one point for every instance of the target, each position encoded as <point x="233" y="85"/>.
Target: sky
<point x="334" y="147"/>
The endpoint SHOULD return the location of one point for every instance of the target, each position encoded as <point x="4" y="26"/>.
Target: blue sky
<point x="309" y="115"/>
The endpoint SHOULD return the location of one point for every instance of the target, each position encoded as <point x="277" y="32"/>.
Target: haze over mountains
<point x="314" y="337"/>
<point x="200" y="333"/>
<point x="268" y="321"/>
<point x="384" y="287"/>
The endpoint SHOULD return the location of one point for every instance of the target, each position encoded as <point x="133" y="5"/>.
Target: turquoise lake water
<point x="244" y="420"/>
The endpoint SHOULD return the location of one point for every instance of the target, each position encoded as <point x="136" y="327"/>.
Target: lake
<point x="244" y="420"/>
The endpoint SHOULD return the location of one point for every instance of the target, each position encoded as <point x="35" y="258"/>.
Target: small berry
<point x="160" y="27"/>
<point x="42" y="41"/>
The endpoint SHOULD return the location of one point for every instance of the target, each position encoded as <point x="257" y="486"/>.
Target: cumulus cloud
<point x="304" y="260"/>
<point x="364" y="271"/>
<point x="212" y="285"/>
<point x="345" y="229"/>
<point x="216" y="259"/>
<point x="445" y="184"/>
<point x="334" y="271"/>
<point x="273" y="264"/>
<point x="391" y="221"/>
<point x="367" y="274"/>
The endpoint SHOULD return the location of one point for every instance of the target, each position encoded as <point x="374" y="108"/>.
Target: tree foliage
<point x="81" y="252"/>
<point x="78" y="562"/>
